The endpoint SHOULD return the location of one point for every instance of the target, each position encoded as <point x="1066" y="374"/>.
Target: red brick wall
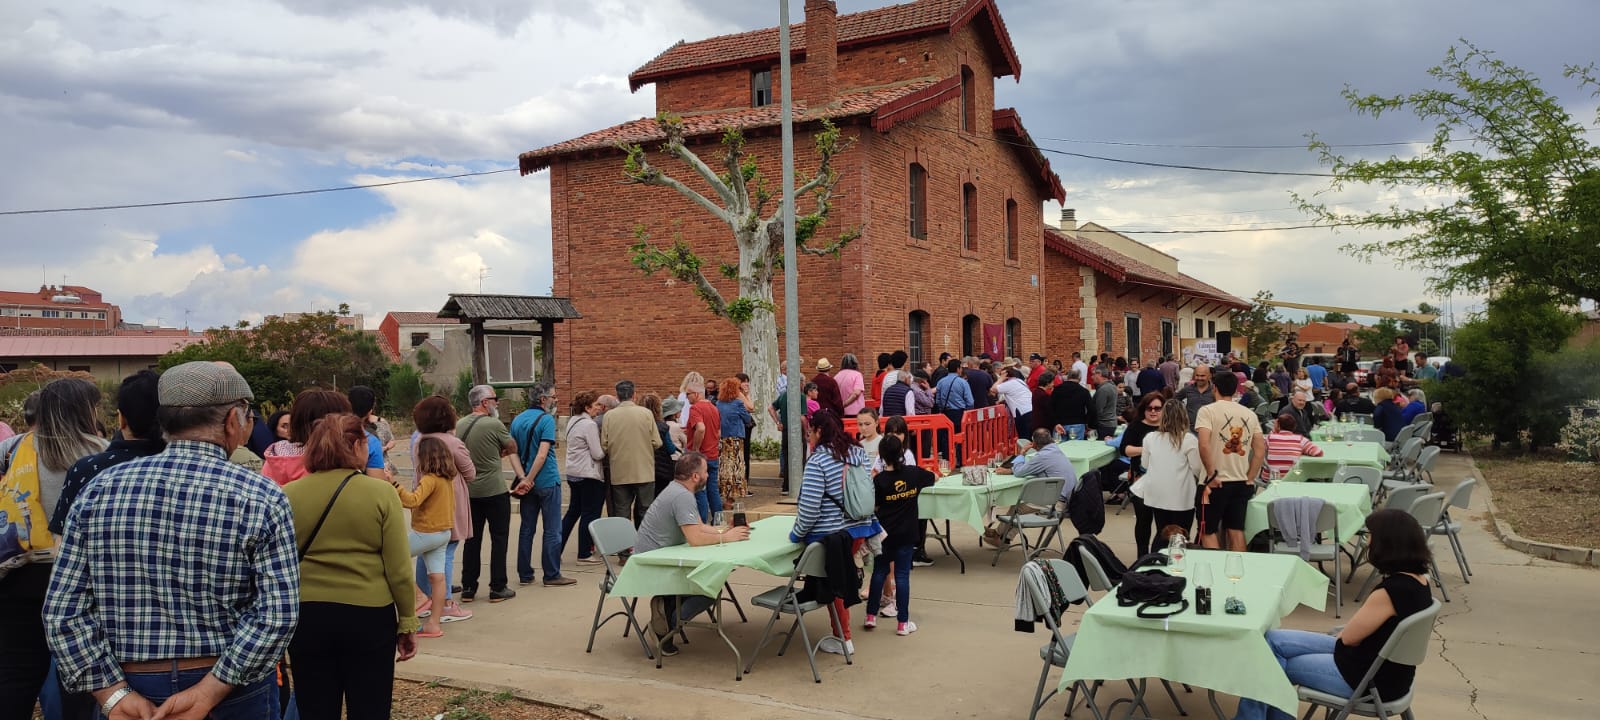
<point x="1063" y="325"/>
<point x="1135" y="299"/>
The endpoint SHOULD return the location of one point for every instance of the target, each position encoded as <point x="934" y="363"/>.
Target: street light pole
<point x="791" y="281"/>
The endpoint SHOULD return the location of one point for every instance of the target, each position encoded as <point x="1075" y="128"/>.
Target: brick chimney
<point x="822" y="52"/>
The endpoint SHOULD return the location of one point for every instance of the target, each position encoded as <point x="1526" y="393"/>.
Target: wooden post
<point x="547" y="350"/>
<point x="480" y="365"/>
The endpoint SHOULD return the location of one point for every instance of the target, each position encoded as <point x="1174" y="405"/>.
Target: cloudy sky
<point x="157" y="100"/>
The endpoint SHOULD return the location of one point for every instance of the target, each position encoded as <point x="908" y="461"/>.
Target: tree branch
<point x="681" y="263"/>
<point x="639" y="170"/>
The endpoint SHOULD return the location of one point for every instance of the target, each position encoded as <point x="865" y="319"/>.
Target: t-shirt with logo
<point x="1233" y="431"/>
<point x="897" y="492"/>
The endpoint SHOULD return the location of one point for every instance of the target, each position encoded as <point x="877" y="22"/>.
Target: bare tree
<point x="740" y="199"/>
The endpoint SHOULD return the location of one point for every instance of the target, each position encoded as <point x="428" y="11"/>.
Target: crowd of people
<point x="154" y="571"/>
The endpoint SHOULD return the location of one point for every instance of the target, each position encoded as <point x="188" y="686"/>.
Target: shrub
<point x="406" y="388"/>
<point x="1580" y="437"/>
<point x="463" y="386"/>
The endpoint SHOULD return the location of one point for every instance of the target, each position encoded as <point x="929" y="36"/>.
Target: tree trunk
<point x="758" y="342"/>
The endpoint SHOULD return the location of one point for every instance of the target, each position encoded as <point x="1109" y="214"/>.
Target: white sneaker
<point x="831" y="644"/>
<point x="906" y="628"/>
<point x="889" y="610"/>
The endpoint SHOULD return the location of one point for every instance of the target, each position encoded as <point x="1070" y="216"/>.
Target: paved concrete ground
<point x="1519" y="641"/>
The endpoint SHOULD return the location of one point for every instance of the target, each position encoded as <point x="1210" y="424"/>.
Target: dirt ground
<point x="428" y="701"/>
<point x="1544" y="497"/>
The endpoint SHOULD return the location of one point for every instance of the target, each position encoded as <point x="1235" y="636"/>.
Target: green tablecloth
<point x="948" y="499"/>
<point x="1352" y="500"/>
<point x="1087" y="455"/>
<point x="687" y="570"/>
<point x="1335" y="430"/>
<point x="1226" y="653"/>
<point x="1334" y="454"/>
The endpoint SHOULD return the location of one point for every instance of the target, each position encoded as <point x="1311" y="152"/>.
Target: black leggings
<point x="344" y="655"/>
<point x="1146" y="519"/>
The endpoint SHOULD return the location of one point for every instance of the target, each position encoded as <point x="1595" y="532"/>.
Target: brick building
<point x="1325" y="337"/>
<point x="68" y="307"/>
<point x="946" y="190"/>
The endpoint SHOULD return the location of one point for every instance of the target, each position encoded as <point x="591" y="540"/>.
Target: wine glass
<point x="1234" y="568"/>
<point x="1175" y="556"/>
<point x="1202" y="575"/>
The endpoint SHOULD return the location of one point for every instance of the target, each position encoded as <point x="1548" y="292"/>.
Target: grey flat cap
<point x="201" y="383"/>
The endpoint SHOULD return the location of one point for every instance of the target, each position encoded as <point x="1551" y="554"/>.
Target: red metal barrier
<point x="987" y="433"/>
<point x="924" y="431"/>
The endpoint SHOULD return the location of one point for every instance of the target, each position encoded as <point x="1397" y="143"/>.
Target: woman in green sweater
<point x="356" y="611"/>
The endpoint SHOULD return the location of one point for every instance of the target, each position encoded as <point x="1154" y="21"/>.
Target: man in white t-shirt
<point x="1083" y="370"/>
<point x="1232" y="449"/>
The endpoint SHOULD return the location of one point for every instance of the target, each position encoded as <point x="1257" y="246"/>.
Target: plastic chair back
<point x="1367" y="435"/>
<point x="1426" y="509"/>
<point x="1409" y="643"/>
<point x="1042" y="492"/>
<point x="1462" y="495"/>
<point x="1361" y="418"/>
<point x="1067" y="579"/>
<point x="1327" y="517"/>
<point x="1426" y="458"/>
<point x="813" y="562"/>
<point x="1098" y="580"/>
<point x="613" y="534"/>
<point x="1410" y="449"/>
<point x="1402" y="497"/>
<point x="1371" y="476"/>
<point x="1426" y="417"/>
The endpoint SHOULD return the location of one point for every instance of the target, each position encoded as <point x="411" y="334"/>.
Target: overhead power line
<point x="258" y="196"/>
<point x="1301" y="146"/>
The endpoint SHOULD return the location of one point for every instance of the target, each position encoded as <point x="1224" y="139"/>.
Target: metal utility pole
<point x="791" y="281"/>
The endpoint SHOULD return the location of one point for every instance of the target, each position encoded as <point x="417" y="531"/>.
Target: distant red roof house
<point x="109" y="358"/>
<point x="405" y="331"/>
<point x="68" y="307"/>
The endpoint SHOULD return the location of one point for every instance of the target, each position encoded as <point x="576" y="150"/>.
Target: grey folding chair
<point x="1056" y="652"/>
<point x="1408" y="645"/>
<point x="1361" y="418"/>
<point x="1040" y="492"/>
<point x="1425" y="462"/>
<point x="785" y="599"/>
<point x="1404" y="465"/>
<point x="1324" y="548"/>
<point x="1366" y="435"/>
<point x="613" y="535"/>
<point x="1460" y="497"/>
<point x="1406" y="433"/>
<point x="1426" y="417"/>
<point x="1369" y="476"/>
<point x="1426" y="509"/>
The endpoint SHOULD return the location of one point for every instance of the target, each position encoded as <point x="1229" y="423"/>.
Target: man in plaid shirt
<point x="177" y="583"/>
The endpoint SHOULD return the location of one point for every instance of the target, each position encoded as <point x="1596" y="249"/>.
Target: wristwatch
<point x="116" y="697"/>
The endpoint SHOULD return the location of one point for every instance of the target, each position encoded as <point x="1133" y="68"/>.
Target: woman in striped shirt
<point x="821" y="508"/>
<point x="1285" y="446"/>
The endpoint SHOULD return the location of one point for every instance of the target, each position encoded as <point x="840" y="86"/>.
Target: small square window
<point x="761" y="88"/>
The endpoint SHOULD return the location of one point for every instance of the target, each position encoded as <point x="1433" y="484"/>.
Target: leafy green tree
<point x="1520" y="373"/>
<point x="1335" y="317"/>
<point x="1257" y="326"/>
<point x="1374" y="340"/>
<point x="742" y="200"/>
<point x="406" y="388"/>
<point x="1510" y="181"/>
<point x="282" y="357"/>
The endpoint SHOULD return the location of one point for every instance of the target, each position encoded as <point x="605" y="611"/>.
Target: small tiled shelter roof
<point x="421" y="318"/>
<point x="508" y="307"/>
<point x="856" y="29"/>
<point x="384" y="345"/>
<point x="1124" y="269"/>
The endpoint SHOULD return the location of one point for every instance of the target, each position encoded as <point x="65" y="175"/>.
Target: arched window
<point x="918" y="192"/>
<point x="916" y="335"/>
<point x="1014" y="338"/>
<point x="969" y="100"/>
<point x="969" y="217"/>
<point x="1011" y="230"/>
<point x="971" y="336"/>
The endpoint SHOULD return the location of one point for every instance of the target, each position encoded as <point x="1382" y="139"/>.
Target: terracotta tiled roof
<point x="1008" y="122"/>
<point x="383" y="344"/>
<point x="1122" y="268"/>
<point x="862" y="28"/>
<point x="50" y="346"/>
<point x="421" y="318"/>
<point x="863" y="101"/>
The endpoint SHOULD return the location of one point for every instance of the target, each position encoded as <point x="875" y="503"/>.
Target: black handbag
<point x="1148" y="586"/>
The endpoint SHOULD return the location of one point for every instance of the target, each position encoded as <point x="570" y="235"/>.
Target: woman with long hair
<point x="667" y="454"/>
<point x="1170" y="458"/>
<point x="690" y="378"/>
<point x="432" y="511"/>
<point x="736" y="421"/>
<point x="816" y="518"/>
<point x="282" y="461"/>
<point x="278" y="423"/>
<point x="1149" y="411"/>
<point x="1398" y="551"/>
<point x="585" y="474"/>
<point x="63" y="431"/>
<point x="434" y="417"/>
<point x="355" y="578"/>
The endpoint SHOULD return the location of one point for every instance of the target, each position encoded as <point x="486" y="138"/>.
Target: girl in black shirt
<point x="1398" y="549"/>
<point x="898" y="488"/>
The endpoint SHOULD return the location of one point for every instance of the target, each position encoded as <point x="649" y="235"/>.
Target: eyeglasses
<point x="1153" y="408"/>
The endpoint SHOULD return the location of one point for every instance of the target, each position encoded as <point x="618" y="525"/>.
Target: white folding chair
<point x="613" y="535"/>
<point x="1370" y="476"/>
<point x="1460" y="497"/>
<point x="785" y="599"/>
<point x="1041" y="492"/>
<point x="1366" y="435"/>
<point x="1425" y="462"/>
<point x="1408" y="645"/>
<point x="1404" y="465"/>
<point x="1324" y="547"/>
<point x="1399" y="498"/>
